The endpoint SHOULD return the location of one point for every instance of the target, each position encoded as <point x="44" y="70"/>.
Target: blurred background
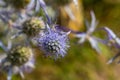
<point x="81" y="62"/>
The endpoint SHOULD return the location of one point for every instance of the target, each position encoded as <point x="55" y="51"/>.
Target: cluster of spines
<point x="19" y="55"/>
<point x="33" y="26"/>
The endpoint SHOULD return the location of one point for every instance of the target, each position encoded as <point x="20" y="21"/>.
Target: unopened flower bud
<point x="19" y="55"/>
<point x="33" y="26"/>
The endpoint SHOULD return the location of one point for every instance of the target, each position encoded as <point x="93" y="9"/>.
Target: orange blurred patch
<point x="76" y="23"/>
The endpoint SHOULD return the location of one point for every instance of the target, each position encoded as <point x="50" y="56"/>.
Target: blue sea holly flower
<point x="54" y="43"/>
<point x="17" y="60"/>
<point x="31" y="27"/>
<point x="88" y="34"/>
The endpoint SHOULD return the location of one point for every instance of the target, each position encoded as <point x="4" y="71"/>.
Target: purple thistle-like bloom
<point x="54" y="43"/>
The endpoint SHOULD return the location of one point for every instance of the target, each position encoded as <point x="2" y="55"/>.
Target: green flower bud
<point x="33" y="26"/>
<point x="19" y="55"/>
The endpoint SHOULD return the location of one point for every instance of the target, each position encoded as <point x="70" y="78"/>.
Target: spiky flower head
<point x="33" y="26"/>
<point x="18" y="4"/>
<point x="54" y="43"/>
<point x="18" y="60"/>
<point x="19" y="55"/>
